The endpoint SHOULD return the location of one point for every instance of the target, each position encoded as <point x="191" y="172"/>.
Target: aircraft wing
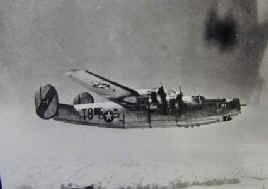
<point x="100" y="85"/>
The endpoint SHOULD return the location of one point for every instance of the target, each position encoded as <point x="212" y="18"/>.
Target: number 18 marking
<point x="87" y="114"/>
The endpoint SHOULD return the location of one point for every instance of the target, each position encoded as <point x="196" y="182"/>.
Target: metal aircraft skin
<point x="130" y="108"/>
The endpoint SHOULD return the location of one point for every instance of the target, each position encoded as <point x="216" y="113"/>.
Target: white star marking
<point x="108" y="116"/>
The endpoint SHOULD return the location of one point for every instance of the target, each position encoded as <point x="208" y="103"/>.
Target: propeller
<point x="179" y="100"/>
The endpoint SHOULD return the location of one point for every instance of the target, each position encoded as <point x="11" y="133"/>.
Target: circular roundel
<point x="108" y="116"/>
<point x="83" y="98"/>
<point x="46" y="102"/>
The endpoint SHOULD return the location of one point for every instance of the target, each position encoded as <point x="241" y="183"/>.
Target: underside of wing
<point x="100" y="85"/>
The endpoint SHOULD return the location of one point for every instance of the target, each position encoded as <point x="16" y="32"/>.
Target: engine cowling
<point x="46" y="102"/>
<point x="83" y="98"/>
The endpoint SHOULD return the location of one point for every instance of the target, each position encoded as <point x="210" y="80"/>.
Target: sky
<point x="140" y="44"/>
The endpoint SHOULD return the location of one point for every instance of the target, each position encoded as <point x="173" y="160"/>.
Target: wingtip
<point x="69" y="73"/>
<point x="72" y="71"/>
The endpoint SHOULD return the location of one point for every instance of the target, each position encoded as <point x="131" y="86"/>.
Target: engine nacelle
<point x="46" y="102"/>
<point x="83" y="98"/>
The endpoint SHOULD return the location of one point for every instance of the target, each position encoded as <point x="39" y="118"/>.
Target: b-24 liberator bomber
<point x="131" y="108"/>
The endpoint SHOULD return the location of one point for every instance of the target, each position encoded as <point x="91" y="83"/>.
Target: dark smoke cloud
<point x="246" y="39"/>
<point x="221" y="32"/>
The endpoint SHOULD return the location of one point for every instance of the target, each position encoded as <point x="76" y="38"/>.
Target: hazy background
<point x="139" y="43"/>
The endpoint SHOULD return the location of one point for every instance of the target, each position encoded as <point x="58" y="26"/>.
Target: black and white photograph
<point x="133" y="94"/>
